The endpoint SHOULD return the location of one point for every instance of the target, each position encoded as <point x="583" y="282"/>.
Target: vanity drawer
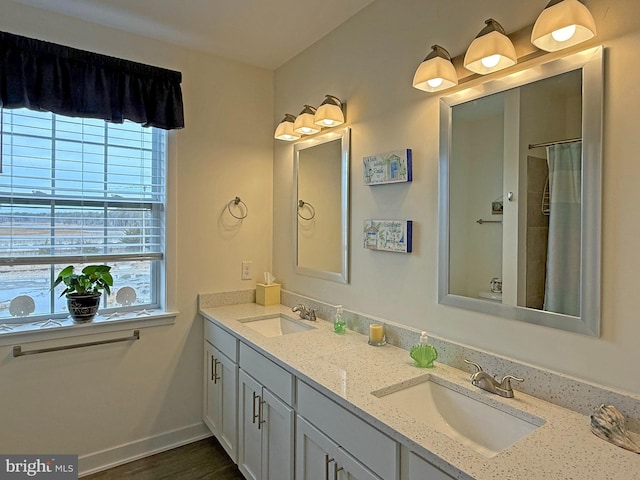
<point x="221" y="339"/>
<point x="419" y="469"/>
<point x="370" y="446"/>
<point x="275" y="378"/>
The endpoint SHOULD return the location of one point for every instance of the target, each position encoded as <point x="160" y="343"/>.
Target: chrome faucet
<point x="483" y="380"/>
<point x="304" y="312"/>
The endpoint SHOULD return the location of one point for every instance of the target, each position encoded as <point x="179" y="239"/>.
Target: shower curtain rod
<point x="571" y="140"/>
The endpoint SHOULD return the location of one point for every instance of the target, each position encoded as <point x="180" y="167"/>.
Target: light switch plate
<point x="247" y="270"/>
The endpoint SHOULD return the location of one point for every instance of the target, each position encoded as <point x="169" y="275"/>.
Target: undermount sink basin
<point x="276" y="325"/>
<point x="468" y="420"/>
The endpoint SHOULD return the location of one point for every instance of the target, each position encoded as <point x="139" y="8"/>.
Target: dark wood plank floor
<point x="203" y="460"/>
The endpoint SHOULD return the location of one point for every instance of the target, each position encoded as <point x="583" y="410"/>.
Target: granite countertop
<point x="347" y="369"/>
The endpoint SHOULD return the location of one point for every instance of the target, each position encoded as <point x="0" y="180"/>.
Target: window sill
<point x="65" y="328"/>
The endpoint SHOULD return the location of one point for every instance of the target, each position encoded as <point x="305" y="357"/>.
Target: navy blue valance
<point x="47" y="76"/>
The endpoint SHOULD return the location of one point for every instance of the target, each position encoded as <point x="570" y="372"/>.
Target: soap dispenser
<point x="338" y="322"/>
<point x="422" y="353"/>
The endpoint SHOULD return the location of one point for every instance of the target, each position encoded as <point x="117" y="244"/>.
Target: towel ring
<point x="236" y="201"/>
<point x="302" y="204"/>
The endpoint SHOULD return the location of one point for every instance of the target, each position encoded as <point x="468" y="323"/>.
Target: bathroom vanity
<point x="288" y="398"/>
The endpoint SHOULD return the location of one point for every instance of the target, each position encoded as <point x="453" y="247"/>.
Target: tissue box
<point x="267" y="294"/>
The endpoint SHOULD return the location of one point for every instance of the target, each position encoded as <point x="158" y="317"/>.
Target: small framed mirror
<point x="321" y="206"/>
<point x="520" y="195"/>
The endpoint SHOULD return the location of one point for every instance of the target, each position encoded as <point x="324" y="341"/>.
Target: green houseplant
<point x="84" y="290"/>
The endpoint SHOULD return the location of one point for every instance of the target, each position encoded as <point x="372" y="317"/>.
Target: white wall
<point x="89" y="400"/>
<point x="369" y="61"/>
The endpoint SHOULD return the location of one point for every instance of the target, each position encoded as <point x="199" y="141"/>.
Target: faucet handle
<point x="479" y="368"/>
<point x="506" y="381"/>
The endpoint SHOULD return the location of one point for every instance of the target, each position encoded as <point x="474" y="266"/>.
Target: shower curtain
<point x="562" y="289"/>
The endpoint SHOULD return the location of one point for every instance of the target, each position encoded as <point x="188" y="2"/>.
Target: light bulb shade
<point x="436" y="72"/>
<point x="494" y="47"/>
<point x="329" y="113"/>
<point x="559" y="15"/>
<point x="304" y="124"/>
<point x="284" y="130"/>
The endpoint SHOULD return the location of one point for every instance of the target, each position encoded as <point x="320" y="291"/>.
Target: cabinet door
<point x="220" y="405"/>
<point x="277" y="438"/>
<point x="350" y="469"/>
<point x="212" y="399"/>
<point x="250" y="427"/>
<point x="228" y="384"/>
<point x="316" y="454"/>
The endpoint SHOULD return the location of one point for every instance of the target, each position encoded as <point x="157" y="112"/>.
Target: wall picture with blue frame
<point x="390" y="167"/>
<point x="388" y="235"/>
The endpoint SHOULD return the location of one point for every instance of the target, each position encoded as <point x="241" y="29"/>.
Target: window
<point x="79" y="191"/>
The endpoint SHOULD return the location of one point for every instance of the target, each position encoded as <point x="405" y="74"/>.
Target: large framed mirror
<point x="520" y="195"/>
<point x="321" y="201"/>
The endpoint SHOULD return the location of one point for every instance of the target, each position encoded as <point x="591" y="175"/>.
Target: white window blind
<point x="80" y="191"/>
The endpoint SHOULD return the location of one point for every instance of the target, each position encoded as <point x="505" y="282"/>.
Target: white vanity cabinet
<point x="266" y="422"/>
<point x="221" y="386"/>
<point x="320" y="458"/>
<point x="334" y="444"/>
<point x="275" y="426"/>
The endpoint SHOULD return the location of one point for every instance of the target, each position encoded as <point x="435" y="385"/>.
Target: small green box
<point x="267" y="294"/>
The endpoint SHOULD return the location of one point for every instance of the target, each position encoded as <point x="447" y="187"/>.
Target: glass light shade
<point x="329" y="113"/>
<point x="490" y="51"/>
<point x="304" y="124"/>
<point x="284" y="130"/>
<point x="563" y="24"/>
<point x="436" y="72"/>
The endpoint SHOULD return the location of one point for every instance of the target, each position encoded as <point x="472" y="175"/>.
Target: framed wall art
<point x="388" y="235"/>
<point x="390" y="167"/>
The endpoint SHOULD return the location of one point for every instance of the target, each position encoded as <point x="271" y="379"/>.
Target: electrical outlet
<point x="247" y="270"/>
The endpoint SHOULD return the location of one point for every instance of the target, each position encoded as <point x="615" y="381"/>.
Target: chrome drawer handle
<point x="214" y="369"/>
<point x="327" y="461"/>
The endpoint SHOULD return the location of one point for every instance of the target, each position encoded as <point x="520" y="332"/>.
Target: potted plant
<point x="84" y="290"/>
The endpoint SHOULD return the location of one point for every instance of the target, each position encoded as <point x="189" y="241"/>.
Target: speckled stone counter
<point x="347" y="370"/>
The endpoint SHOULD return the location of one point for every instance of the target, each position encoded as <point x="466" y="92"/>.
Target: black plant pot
<point x="83" y="307"/>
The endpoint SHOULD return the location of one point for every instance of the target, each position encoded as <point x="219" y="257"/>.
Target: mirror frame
<point x="345" y="136"/>
<point x="592" y="63"/>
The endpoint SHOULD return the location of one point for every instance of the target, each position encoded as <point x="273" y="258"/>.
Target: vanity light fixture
<point x="304" y="124"/>
<point x="436" y="72"/>
<point x="329" y="113"/>
<point x="284" y="130"/>
<point x="562" y="24"/>
<point x="490" y="51"/>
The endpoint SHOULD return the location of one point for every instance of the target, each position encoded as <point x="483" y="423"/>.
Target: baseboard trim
<point x="128" y="452"/>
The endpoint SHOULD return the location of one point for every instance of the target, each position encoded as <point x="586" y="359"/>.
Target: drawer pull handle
<point x="214" y="369"/>
<point x="261" y="402"/>
<point x="336" y="469"/>
<point x="257" y="411"/>
<point x="327" y="461"/>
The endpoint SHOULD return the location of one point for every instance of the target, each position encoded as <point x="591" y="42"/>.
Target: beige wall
<point x="89" y="400"/>
<point x="370" y="61"/>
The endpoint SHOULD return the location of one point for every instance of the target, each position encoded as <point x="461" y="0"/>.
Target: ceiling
<point x="265" y="33"/>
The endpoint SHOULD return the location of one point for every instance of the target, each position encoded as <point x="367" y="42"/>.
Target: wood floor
<point x="203" y="460"/>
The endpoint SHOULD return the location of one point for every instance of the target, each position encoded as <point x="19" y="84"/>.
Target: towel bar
<point x="17" y="349"/>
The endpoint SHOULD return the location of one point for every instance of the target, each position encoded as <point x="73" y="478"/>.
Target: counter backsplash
<point x="560" y="389"/>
